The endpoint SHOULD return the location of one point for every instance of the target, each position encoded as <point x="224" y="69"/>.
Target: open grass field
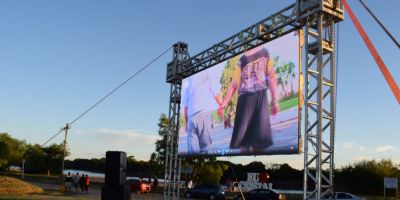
<point x="12" y="186"/>
<point x="32" y="177"/>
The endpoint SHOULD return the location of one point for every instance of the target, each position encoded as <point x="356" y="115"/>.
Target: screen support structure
<point x="319" y="97"/>
<point x="172" y="162"/>
<point x="318" y="18"/>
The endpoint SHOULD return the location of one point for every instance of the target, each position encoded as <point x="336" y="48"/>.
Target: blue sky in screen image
<point x="279" y="47"/>
<point x="57" y="58"/>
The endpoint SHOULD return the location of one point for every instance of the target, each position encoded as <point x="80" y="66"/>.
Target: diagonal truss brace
<point x="272" y="27"/>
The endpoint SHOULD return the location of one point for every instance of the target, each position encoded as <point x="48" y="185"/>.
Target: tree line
<point x="38" y="159"/>
<point x="362" y="177"/>
<point x="138" y="168"/>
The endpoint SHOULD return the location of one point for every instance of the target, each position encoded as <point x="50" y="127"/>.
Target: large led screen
<point x="247" y="105"/>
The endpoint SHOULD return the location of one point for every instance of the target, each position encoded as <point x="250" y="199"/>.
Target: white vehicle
<point x="345" y="196"/>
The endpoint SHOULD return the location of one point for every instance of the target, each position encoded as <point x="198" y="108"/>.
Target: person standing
<point x="149" y="183"/>
<point x="82" y="183"/>
<point x="197" y="112"/>
<point x="87" y="182"/>
<point x="68" y="181"/>
<point x="252" y="78"/>
<point x="76" y="181"/>
<point x="155" y="184"/>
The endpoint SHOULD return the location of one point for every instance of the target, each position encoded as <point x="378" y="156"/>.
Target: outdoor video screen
<point x="247" y="105"/>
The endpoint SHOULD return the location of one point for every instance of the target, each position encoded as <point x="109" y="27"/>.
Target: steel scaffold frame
<point x="182" y="66"/>
<point x="172" y="162"/>
<point x="315" y="99"/>
<point x="318" y="17"/>
<point x="319" y="123"/>
<point x="268" y="29"/>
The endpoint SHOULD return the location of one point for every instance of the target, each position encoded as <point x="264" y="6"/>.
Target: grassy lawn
<point x="29" y="177"/>
<point x="12" y="186"/>
<point x="288" y="103"/>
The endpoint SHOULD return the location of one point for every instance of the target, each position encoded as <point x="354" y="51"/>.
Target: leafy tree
<point x="255" y="167"/>
<point x="225" y="81"/>
<point x="286" y="172"/>
<point x="157" y="159"/>
<point x="53" y="156"/>
<point x="3" y="155"/>
<point x="35" y="159"/>
<point x="199" y="166"/>
<point x="12" y="150"/>
<point x="235" y="172"/>
<point x="38" y="159"/>
<point x="133" y="168"/>
<point x="209" y="172"/>
<point x="366" y="177"/>
<point x="93" y="165"/>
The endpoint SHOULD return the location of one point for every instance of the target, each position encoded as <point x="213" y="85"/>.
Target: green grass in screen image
<point x="285" y="104"/>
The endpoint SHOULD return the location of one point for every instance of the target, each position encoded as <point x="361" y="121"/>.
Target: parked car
<point x="140" y="186"/>
<point x="346" y="196"/>
<point x="261" y="194"/>
<point x="207" y="191"/>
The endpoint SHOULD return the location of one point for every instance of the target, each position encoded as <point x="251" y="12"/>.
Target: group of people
<point x="79" y="181"/>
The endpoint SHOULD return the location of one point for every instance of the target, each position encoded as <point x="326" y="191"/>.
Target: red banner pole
<point x="389" y="79"/>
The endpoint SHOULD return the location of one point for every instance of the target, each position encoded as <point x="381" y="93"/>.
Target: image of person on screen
<point x="198" y="95"/>
<point x="252" y="78"/>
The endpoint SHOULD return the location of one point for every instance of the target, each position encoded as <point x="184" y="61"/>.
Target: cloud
<point x="384" y="148"/>
<point x="132" y="137"/>
<point x="361" y="158"/>
<point x="353" y="146"/>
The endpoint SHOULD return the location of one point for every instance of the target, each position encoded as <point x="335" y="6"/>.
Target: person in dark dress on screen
<point x="252" y="78"/>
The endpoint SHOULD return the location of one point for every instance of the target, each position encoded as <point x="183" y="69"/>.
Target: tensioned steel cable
<point x="109" y="94"/>
<point x="380" y="23"/>
<point x="236" y="179"/>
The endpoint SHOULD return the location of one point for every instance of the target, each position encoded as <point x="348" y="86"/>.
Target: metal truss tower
<point x="172" y="162"/>
<point x="318" y="18"/>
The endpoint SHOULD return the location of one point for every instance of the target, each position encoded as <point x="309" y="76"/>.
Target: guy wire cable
<point x="380" y="23"/>
<point x="109" y="94"/>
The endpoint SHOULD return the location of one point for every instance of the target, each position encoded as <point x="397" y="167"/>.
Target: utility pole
<point x="65" y="129"/>
<point x="23" y="169"/>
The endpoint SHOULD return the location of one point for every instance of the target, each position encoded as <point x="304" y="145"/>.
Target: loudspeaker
<point x="119" y="192"/>
<point x="115" y="168"/>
